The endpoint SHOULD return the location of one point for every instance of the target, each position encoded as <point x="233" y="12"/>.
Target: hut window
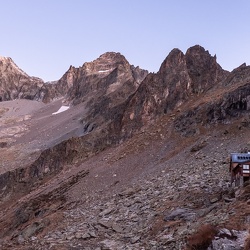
<point x="246" y="169"/>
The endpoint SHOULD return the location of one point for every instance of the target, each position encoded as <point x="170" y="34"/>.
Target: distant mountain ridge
<point x="127" y="97"/>
<point x="113" y="90"/>
<point x="101" y="77"/>
<point x="16" y="84"/>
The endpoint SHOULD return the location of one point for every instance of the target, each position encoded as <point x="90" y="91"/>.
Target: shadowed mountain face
<point x="203" y="69"/>
<point x="180" y="79"/>
<point x="129" y="146"/>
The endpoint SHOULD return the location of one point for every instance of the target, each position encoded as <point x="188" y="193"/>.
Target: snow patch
<point x="102" y="71"/>
<point x="60" y="110"/>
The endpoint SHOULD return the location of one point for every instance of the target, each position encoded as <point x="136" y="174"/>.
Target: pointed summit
<point x="173" y="60"/>
<point x="8" y="65"/>
<point x="203" y="69"/>
<point x="16" y="84"/>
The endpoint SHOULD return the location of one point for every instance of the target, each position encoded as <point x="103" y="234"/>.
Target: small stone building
<point x="239" y="168"/>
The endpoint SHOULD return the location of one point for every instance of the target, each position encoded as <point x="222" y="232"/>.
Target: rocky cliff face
<point x="16" y="84"/>
<point x="103" y="87"/>
<point x="223" y="104"/>
<point x="203" y="69"/>
<point x="110" y="73"/>
<point x="180" y="78"/>
<point x="110" y="76"/>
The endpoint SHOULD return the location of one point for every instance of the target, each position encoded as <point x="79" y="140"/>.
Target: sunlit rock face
<point x="15" y="83"/>
<point x="110" y="73"/>
<point x="108" y="77"/>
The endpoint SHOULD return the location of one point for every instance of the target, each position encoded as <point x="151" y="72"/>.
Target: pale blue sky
<point x="45" y="37"/>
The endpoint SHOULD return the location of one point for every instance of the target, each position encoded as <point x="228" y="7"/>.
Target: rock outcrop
<point x="179" y="79"/>
<point x="16" y="84"/>
<point x="110" y="73"/>
<point x="110" y="77"/>
<point x="227" y="102"/>
<point x="103" y="87"/>
<point x="203" y="69"/>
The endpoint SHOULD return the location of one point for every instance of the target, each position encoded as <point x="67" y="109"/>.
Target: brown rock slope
<point x="44" y="142"/>
<point x="149" y="169"/>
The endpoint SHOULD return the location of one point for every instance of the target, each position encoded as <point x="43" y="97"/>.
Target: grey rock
<point x="117" y="228"/>
<point x="135" y="239"/>
<point x="111" y="245"/>
<point x="105" y="224"/>
<point x="214" y="199"/>
<point x="106" y="212"/>
<point x="129" y="192"/>
<point x="181" y="214"/>
<point x="226" y="199"/>
<point x="225" y="232"/>
<point x="20" y="239"/>
<point x="167" y="239"/>
<point x="78" y="235"/>
<point x="85" y="236"/>
<point x="33" y="229"/>
<point x="92" y="234"/>
<point x="229" y="240"/>
<point x="70" y="237"/>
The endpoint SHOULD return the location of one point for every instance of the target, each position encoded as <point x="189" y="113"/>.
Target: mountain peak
<point x="15" y="83"/>
<point x="8" y="65"/>
<point x="106" y="62"/>
<point x="197" y="48"/>
<point x="3" y="58"/>
<point x="174" y="58"/>
<point x="203" y="69"/>
<point x="111" y="55"/>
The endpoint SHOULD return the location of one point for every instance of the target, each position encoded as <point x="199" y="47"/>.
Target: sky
<point x="45" y="37"/>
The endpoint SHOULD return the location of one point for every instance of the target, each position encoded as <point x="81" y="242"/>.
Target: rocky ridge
<point x="77" y="83"/>
<point x="181" y="78"/>
<point x="101" y="85"/>
<point x="16" y="84"/>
